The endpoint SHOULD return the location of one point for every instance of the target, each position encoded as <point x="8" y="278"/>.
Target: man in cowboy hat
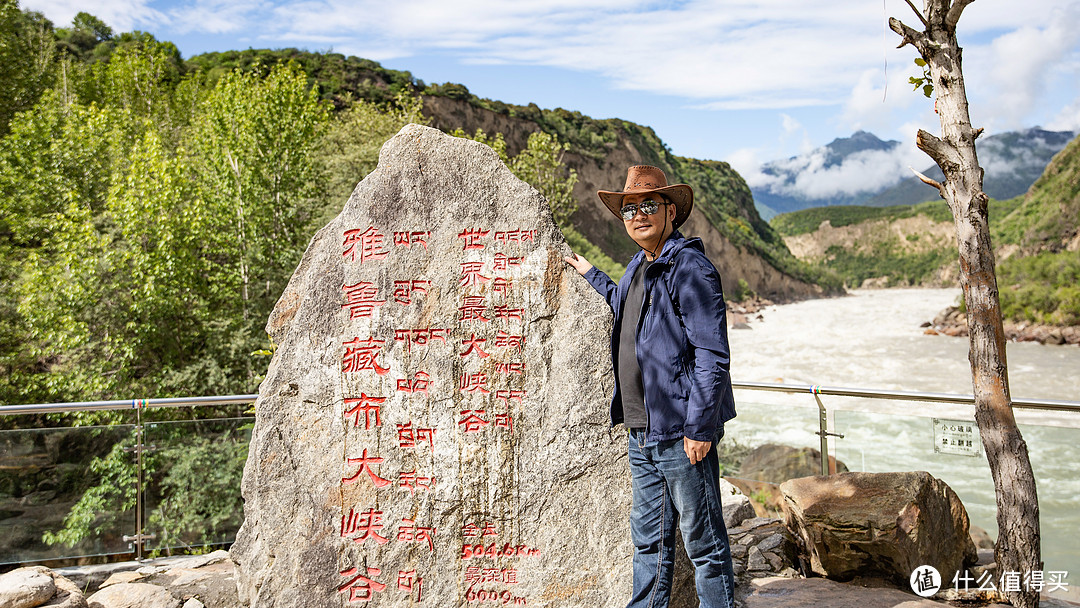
<point x="669" y="350"/>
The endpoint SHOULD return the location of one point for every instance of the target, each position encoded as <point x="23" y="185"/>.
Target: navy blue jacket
<point x="682" y="345"/>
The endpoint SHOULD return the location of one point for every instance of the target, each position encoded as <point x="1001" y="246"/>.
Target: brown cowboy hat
<point x="644" y="178"/>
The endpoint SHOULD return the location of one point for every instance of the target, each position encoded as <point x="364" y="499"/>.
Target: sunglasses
<point x="648" y="207"/>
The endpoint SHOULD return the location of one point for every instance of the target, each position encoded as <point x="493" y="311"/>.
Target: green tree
<point x="254" y="148"/>
<point x="88" y="38"/>
<point x="27" y="59"/>
<point x="540" y="164"/>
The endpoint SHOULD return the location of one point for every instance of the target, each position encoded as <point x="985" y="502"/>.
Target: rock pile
<point x="952" y="322"/>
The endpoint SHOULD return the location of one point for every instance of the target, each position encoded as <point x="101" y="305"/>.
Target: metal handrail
<point x="124" y="404"/>
<point x="817" y="389"/>
<point x="809" y="389"/>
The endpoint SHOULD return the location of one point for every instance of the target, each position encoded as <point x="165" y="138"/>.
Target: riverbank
<point x="953" y="322"/>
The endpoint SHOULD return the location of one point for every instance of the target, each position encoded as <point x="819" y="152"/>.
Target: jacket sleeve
<point x="603" y="284"/>
<point x="703" y="312"/>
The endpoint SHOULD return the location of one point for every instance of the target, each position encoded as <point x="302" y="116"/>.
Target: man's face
<point x="648" y="230"/>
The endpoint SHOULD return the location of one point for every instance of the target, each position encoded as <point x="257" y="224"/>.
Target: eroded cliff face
<point x="609" y="173"/>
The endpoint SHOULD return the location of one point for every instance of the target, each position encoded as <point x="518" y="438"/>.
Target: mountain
<point x="864" y="170"/>
<point x="834" y="174"/>
<point x="1036" y="238"/>
<point x="1012" y="161"/>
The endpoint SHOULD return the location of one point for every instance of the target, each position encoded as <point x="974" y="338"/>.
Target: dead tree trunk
<point x="1014" y="482"/>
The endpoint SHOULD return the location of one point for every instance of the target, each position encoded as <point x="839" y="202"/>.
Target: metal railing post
<point x="823" y="429"/>
<point x="140" y="447"/>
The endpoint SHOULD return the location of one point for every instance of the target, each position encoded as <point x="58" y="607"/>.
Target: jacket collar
<point x="672" y="245"/>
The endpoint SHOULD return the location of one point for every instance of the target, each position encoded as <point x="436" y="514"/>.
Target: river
<point x="872" y="339"/>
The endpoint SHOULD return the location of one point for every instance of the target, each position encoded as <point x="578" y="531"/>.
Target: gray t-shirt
<point x="632" y="389"/>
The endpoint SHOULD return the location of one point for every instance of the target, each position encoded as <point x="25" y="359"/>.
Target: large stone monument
<point x="433" y="428"/>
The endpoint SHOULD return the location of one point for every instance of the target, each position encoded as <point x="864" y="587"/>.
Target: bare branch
<point x="926" y="180"/>
<point x="918" y="14"/>
<point x="910" y="36"/>
<point x="977" y="133"/>
<point x="942" y="152"/>
<point x="953" y="15"/>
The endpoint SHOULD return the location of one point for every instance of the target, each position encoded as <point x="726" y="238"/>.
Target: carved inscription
<point x="478" y="323"/>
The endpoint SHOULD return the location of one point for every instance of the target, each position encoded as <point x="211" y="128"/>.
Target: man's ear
<point x="671" y="211"/>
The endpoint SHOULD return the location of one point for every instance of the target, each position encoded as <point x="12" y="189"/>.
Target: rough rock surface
<point x="68" y="595"/>
<point x="877" y="524"/>
<point x="438" y="298"/>
<point x="26" y="587"/>
<point x="778" y="592"/>
<point x="133" y="595"/>
<point x="737" y="506"/>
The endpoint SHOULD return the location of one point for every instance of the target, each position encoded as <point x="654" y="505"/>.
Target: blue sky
<point x="735" y="80"/>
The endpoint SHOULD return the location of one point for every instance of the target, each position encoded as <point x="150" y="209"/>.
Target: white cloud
<point x="811" y="176"/>
<point x="1068" y="119"/>
<point x="714" y="54"/>
<point x="121" y="15"/>
<point x="217" y="16"/>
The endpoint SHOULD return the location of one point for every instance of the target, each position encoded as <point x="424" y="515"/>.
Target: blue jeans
<point x="669" y="491"/>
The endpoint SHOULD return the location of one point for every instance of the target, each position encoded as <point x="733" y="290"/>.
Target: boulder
<point x="68" y="595"/>
<point x="26" y="587"/>
<point x="775" y="463"/>
<point x="877" y="524"/>
<point x="433" y="425"/>
<point x="133" y="595"/>
<point x="737" y="506"/>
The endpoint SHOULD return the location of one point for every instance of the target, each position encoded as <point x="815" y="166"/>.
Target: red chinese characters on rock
<point x="472" y="309"/>
<point x="360" y="587"/>
<point x="518" y="236"/>
<point x="409" y="436"/>
<point x="407" y="239"/>
<point x="365" y="463"/>
<point x="506" y="313"/>
<point x="363" y="526"/>
<point x="368" y="243"/>
<point x="505" y="340"/>
<point x="477" y="574"/>
<point x="501" y="285"/>
<point x="473" y="421"/>
<point x="503" y="262"/>
<point x="418" y="384"/>
<point x="413" y="482"/>
<point x="403" y="290"/>
<point x="361" y="355"/>
<point x="472" y="238"/>
<point x="360" y="299"/>
<point x="505" y="395"/>
<point x="408" y="580"/>
<point x="471" y="530"/>
<point x="473" y="383"/>
<point x="510" y="368"/>
<point x="473" y="346"/>
<point x="364" y="405"/>
<point x="420" y="337"/>
<point x="470" y="274"/>
<point x="409" y="532"/>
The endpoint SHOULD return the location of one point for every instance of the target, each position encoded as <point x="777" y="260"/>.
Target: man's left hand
<point x="695" y="450"/>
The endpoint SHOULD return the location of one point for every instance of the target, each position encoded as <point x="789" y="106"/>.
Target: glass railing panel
<point x="880" y="442"/>
<point x="66" y="492"/>
<point x="765" y="419"/>
<point x="193" y="473"/>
